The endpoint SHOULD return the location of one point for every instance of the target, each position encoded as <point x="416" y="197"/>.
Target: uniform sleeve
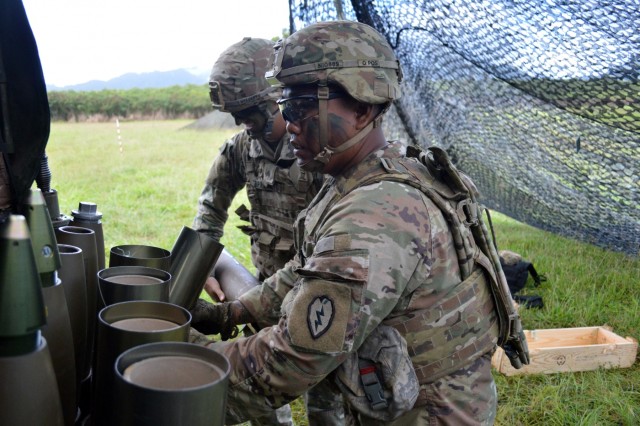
<point x="366" y="253"/>
<point x="225" y="179"/>
<point x="264" y="301"/>
<point x="370" y="251"/>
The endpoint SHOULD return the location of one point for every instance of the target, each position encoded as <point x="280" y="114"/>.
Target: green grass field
<point x="146" y="179"/>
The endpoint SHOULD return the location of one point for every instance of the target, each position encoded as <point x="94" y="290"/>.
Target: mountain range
<point x="156" y="79"/>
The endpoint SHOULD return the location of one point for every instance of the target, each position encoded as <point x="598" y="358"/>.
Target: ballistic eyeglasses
<point x="296" y="109"/>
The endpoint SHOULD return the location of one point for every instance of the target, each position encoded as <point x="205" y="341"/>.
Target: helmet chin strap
<point x="322" y="158"/>
<point x="270" y="117"/>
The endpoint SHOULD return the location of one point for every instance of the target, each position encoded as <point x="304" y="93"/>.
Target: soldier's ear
<point x="365" y="113"/>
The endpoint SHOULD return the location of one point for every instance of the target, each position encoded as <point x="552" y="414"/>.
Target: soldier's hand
<point x="209" y="318"/>
<point x="213" y="289"/>
<point x="198" y="338"/>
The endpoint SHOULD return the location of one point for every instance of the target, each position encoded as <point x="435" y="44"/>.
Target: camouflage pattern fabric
<point x="363" y="257"/>
<point x="237" y="79"/>
<point x="277" y="190"/>
<point x="350" y="54"/>
<point x="465" y="397"/>
<point x="387" y="350"/>
<point x="325" y="405"/>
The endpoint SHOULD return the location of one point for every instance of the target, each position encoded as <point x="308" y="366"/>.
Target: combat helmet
<point x="237" y="80"/>
<point x="349" y="54"/>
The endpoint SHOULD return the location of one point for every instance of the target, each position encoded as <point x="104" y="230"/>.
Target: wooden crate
<point x="560" y="350"/>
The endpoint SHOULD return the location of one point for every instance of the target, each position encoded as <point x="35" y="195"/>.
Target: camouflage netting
<point x="538" y="101"/>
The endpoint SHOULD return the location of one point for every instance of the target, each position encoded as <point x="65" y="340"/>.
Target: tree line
<point x="187" y="101"/>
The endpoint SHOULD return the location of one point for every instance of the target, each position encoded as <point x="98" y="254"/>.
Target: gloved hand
<point x="210" y="318"/>
<point x="198" y="338"/>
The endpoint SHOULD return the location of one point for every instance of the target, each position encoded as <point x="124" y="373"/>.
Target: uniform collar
<point x="283" y="152"/>
<point x="371" y="163"/>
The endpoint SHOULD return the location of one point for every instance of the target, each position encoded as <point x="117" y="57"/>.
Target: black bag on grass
<point x="517" y="271"/>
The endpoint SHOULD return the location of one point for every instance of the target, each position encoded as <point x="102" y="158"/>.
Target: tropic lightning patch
<point x="320" y="315"/>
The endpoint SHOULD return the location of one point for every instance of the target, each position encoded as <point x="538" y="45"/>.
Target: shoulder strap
<point x="511" y="337"/>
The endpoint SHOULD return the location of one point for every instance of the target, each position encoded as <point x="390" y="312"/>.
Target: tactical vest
<point x="481" y="300"/>
<point x="482" y="277"/>
<point x="277" y="192"/>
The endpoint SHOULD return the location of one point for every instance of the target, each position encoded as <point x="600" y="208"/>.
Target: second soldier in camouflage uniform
<point x="258" y="158"/>
<point x="374" y="302"/>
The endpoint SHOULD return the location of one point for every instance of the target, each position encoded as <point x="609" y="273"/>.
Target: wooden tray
<point x="558" y="350"/>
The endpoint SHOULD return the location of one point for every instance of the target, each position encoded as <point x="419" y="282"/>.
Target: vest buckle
<point x="372" y="386"/>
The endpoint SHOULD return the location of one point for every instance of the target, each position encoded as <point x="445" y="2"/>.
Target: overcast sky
<point x="82" y="40"/>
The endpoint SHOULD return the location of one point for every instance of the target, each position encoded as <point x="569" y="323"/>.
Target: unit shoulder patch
<point x="320" y="315"/>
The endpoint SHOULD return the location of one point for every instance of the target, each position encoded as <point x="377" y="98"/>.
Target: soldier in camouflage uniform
<point x="374" y="302"/>
<point x="260" y="158"/>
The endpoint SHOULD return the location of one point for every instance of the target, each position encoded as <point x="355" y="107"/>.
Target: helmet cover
<point x="237" y="79"/>
<point x="350" y="54"/>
